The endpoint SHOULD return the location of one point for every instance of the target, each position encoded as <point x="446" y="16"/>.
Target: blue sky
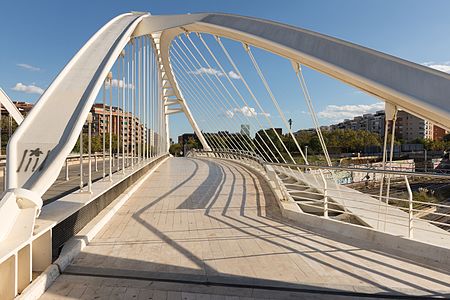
<point x="39" y="38"/>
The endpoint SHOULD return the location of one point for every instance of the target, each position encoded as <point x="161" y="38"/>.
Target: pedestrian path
<point x="211" y="229"/>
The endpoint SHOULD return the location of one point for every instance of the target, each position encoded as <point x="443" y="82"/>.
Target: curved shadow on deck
<point x="309" y="245"/>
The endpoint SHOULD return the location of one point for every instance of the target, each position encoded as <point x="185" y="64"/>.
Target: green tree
<point x="175" y="149"/>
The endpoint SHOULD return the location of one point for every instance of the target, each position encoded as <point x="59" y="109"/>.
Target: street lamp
<point x="306" y="153"/>
<point x="425" y="159"/>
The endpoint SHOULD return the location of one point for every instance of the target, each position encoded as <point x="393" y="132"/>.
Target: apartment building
<point x="120" y="123"/>
<point x="22" y="106"/>
<point x="407" y="128"/>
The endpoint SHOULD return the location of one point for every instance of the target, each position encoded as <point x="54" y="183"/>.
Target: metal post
<point x="119" y="83"/>
<point x="410" y="209"/>
<point x="380" y="197"/>
<point x="110" y="76"/>
<point x="391" y="156"/>
<point x="126" y="108"/>
<point x="325" y="195"/>
<point x="96" y="165"/>
<point x="81" y="161"/>
<point x="4" y="178"/>
<point x="123" y="111"/>
<point x="9" y="127"/>
<point x="425" y="158"/>
<point x="67" y="169"/>
<point x="144" y="91"/>
<point x="306" y="152"/>
<point x="139" y="139"/>
<point x="133" y="102"/>
<point x="89" y="120"/>
<point x="104" y="128"/>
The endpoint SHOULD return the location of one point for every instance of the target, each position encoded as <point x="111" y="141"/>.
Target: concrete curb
<point x="77" y="243"/>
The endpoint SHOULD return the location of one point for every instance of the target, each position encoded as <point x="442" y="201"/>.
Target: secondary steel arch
<point x="420" y="90"/>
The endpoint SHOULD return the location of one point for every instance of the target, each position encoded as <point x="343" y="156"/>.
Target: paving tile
<point x="205" y="220"/>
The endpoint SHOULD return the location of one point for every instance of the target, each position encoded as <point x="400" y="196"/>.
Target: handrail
<point x="337" y="168"/>
<point x="381" y="171"/>
<point x="246" y="154"/>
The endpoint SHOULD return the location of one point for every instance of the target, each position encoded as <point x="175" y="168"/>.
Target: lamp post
<point x="425" y="159"/>
<point x="306" y="152"/>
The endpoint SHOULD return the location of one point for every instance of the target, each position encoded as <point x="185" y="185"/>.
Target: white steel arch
<point x="418" y="89"/>
<point x="10" y="107"/>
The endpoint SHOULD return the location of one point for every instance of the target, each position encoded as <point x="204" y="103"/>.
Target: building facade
<point x="368" y="122"/>
<point x="23" y="107"/>
<point x="407" y="127"/>
<point x="121" y="123"/>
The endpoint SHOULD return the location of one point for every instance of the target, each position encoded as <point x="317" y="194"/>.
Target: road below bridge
<point x="211" y="229"/>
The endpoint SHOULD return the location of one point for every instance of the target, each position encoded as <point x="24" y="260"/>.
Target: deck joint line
<point x="260" y="287"/>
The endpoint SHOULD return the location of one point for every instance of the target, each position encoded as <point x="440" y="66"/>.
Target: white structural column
<point x="391" y="114"/>
<point x="149" y="95"/>
<point x="110" y="122"/>
<point x="122" y="122"/>
<point x="161" y="112"/>
<point x="104" y="129"/>
<point x="128" y="105"/>
<point x="89" y="121"/>
<point x="139" y="97"/>
<point x="144" y="112"/>
<point x="133" y="102"/>
<point x="152" y="101"/>
<point x="119" y="94"/>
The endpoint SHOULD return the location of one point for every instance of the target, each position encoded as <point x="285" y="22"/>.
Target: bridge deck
<point x="201" y="221"/>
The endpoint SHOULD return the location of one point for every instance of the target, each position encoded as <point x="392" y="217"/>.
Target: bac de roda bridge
<point x="244" y="216"/>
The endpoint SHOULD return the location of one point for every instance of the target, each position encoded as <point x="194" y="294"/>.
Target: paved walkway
<point x="200" y="229"/>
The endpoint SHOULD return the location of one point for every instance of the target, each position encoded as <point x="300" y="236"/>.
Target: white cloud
<point x="208" y="71"/>
<point x="338" y="113"/>
<point x="118" y="83"/>
<point x="29" y="89"/>
<point x="229" y="114"/>
<point x="29" y="67"/>
<point x="246" y="111"/>
<point x="443" y="67"/>
<point x="233" y="75"/>
<point x="214" y="72"/>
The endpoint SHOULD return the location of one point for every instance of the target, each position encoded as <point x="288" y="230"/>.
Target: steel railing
<point x="395" y="199"/>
